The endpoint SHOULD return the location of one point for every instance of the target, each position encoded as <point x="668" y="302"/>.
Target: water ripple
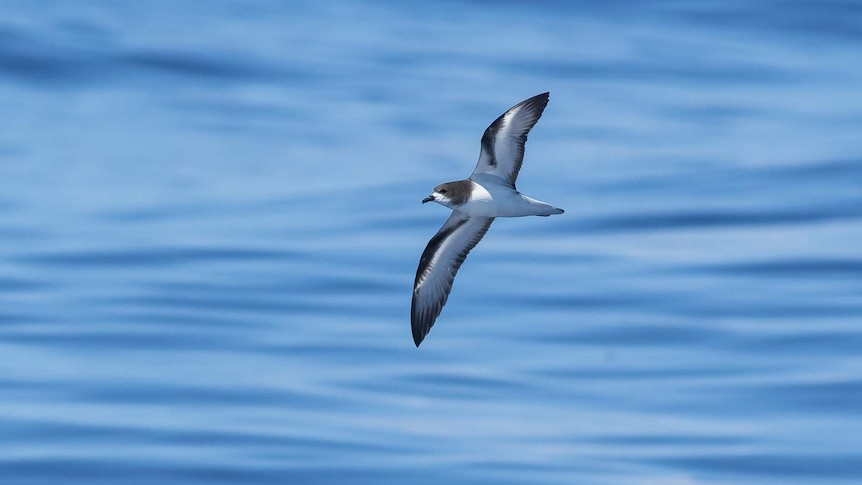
<point x="651" y="221"/>
<point x="812" y="268"/>
<point x="211" y="223"/>
<point x="155" y="256"/>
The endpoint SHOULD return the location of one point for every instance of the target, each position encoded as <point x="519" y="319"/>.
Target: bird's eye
<point x="442" y="191"/>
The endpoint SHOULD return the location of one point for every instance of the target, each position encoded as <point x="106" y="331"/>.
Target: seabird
<point x="489" y="192"/>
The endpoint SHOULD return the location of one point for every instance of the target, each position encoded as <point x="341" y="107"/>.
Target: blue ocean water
<point x="211" y="221"/>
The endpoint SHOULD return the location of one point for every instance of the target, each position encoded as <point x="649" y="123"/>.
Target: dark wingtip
<point x="417" y="337"/>
<point x="543" y="97"/>
<point x="537" y="103"/>
<point x="418" y="334"/>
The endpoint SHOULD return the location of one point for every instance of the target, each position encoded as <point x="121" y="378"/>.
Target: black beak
<point x="428" y="199"/>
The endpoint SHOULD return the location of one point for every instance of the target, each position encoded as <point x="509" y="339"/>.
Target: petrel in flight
<point x="489" y="192"/>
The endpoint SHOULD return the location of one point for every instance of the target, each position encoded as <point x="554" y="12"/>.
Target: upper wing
<point x="439" y="265"/>
<point x="503" y="141"/>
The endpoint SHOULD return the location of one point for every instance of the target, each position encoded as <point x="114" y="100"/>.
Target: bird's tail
<point x="552" y="211"/>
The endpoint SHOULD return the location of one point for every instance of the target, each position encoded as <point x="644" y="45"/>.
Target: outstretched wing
<point x="503" y="141"/>
<point x="439" y="265"/>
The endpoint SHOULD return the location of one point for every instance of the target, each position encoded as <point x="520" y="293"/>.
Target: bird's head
<point x="450" y="194"/>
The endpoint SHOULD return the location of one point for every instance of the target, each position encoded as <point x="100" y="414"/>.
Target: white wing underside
<point x="503" y="141"/>
<point x="438" y="266"/>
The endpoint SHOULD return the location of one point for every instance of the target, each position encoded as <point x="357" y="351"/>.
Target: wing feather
<point x="503" y="141"/>
<point x="438" y="266"/>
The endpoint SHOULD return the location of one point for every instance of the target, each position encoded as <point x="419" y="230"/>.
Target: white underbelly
<point x="495" y="201"/>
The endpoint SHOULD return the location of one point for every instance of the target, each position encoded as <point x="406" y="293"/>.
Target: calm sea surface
<point x="210" y="221"/>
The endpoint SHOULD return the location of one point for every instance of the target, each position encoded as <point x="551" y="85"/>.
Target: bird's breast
<point x="492" y="201"/>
